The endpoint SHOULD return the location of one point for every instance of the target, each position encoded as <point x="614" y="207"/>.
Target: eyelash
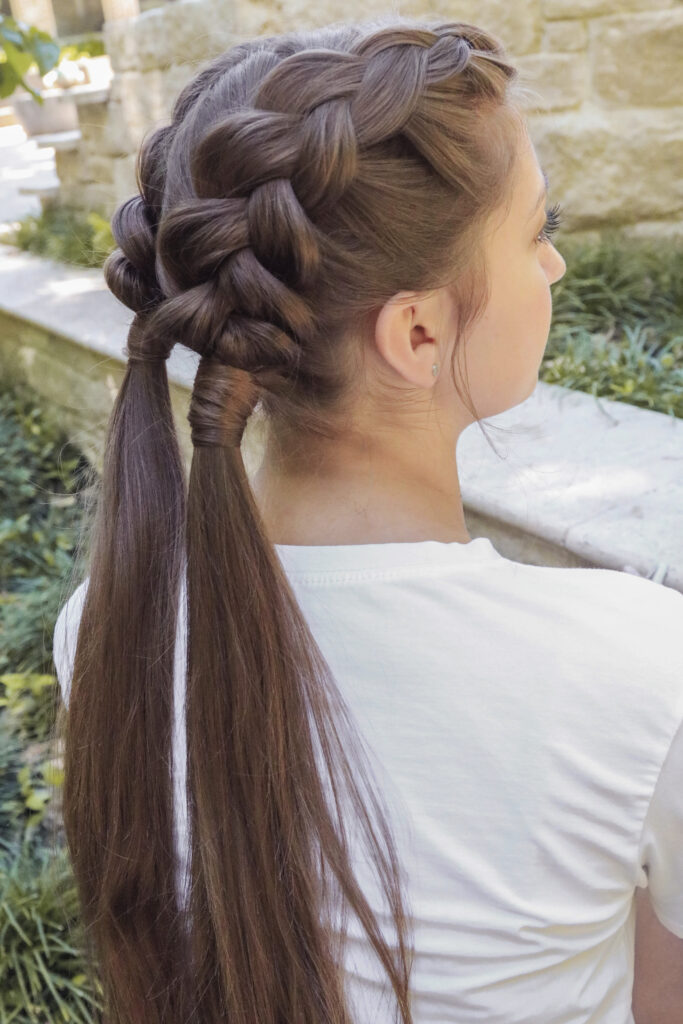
<point x="553" y="221"/>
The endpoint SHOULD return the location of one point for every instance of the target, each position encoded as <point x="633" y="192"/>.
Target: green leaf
<point x="9" y="80"/>
<point x="10" y="32"/>
<point x="17" y="58"/>
<point x="8" y="910"/>
<point x="46" y="974"/>
<point x="44" y="49"/>
<point x="37" y="800"/>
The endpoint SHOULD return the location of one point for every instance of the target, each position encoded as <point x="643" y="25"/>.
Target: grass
<point x="617" y="327"/>
<point x="41" y="967"/>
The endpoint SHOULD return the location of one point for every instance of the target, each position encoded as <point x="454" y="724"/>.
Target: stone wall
<point x="606" y="114"/>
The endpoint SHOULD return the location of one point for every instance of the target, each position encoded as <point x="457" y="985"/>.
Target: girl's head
<point x="306" y="185"/>
<point x="304" y="182"/>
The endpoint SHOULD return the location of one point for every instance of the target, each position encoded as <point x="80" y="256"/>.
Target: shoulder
<point x="633" y="652"/>
<point x="607" y="598"/>
<point x="638" y="616"/>
<point x="619" y="632"/>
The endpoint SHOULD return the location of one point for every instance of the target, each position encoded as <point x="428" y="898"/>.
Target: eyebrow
<point x="543" y="194"/>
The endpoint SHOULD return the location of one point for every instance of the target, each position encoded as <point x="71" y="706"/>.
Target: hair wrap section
<point x="138" y="347"/>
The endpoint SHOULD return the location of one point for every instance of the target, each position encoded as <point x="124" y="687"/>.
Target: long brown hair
<point x="302" y="182"/>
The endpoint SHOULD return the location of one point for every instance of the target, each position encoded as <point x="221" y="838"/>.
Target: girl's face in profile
<point x="505" y="348"/>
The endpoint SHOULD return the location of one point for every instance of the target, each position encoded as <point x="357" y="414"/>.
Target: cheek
<point x="505" y="349"/>
<point x="530" y="303"/>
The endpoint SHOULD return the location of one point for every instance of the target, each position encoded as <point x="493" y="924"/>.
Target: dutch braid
<point x="131" y="269"/>
<point x="244" y="254"/>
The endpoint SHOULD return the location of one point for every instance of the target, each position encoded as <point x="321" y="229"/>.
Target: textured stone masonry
<point x="605" y="107"/>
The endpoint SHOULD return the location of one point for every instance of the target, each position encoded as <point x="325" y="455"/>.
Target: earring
<point x="435" y="369"/>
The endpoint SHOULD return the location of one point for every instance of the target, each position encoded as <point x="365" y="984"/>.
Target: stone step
<point x="58" y="140"/>
<point x="43" y="191"/>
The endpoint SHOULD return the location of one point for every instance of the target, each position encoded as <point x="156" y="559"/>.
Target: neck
<point x="360" y="504"/>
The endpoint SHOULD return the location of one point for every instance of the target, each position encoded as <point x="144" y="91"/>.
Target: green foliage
<point x="617" y="328"/>
<point x="39" y="528"/>
<point x="38" y="535"/>
<point x="89" y="45"/>
<point x="617" y="280"/>
<point x="66" y="234"/>
<point x="28" y="701"/>
<point x="43" y="974"/>
<point x="11" y="750"/>
<point x="25" y="793"/>
<point x="21" y="46"/>
<point x="43" y="970"/>
<point x="626" y="371"/>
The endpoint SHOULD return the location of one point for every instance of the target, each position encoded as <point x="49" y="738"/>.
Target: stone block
<point x="518" y="27"/>
<point x="120" y="45"/>
<point x="598" y="8"/>
<point x="556" y="80"/>
<point x="138" y="43"/>
<point x="141" y="100"/>
<point x="97" y="167"/>
<point x="123" y="131"/>
<point x="196" y="30"/>
<point x="123" y="176"/>
<point x="93" y="115"/>
<point x="175" y="79"/>
<point x="564" y="36"/>
<point x="186" y="31"/>
<point x="612" y="167"/>
<point x="636" y="60"/>
<point x="148" y="96"/>
<point x="88" y="196"/>
<point x="68" y="164"/>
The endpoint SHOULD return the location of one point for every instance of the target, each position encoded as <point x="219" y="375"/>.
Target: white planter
<point x="59" y="110"/>
<point x="58" y="113"/>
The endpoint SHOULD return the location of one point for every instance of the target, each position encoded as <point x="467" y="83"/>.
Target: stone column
<point x="38" y="13"/>
<point x="114" y="10"/>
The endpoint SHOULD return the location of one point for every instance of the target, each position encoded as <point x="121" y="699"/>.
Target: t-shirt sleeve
<point x="661" y="845"/>
<point x="64" y="639"/>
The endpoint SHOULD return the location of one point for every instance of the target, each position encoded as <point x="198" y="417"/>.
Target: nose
<point x="560" y="265"/>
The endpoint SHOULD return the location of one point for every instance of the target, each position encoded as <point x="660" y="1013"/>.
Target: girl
<point x="328" y="759"/>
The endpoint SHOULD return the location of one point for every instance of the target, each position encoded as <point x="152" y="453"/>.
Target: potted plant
<point x="22" y="47"/>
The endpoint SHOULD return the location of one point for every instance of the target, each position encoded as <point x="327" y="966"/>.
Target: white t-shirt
<point x="525" y="723"/>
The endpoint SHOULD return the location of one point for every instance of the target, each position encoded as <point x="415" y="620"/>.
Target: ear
<point x="405" y="336"/>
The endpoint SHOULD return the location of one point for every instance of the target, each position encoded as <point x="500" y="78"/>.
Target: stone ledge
<point x="58" y="140"/>
<point x="50" y="191"/>
<point x="599" y="479"/>
<point x="573" y="480"/>
<point x="81" y="95"/>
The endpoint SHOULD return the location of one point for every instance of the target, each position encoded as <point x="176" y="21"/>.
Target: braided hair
<point x="302" y="181"/>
